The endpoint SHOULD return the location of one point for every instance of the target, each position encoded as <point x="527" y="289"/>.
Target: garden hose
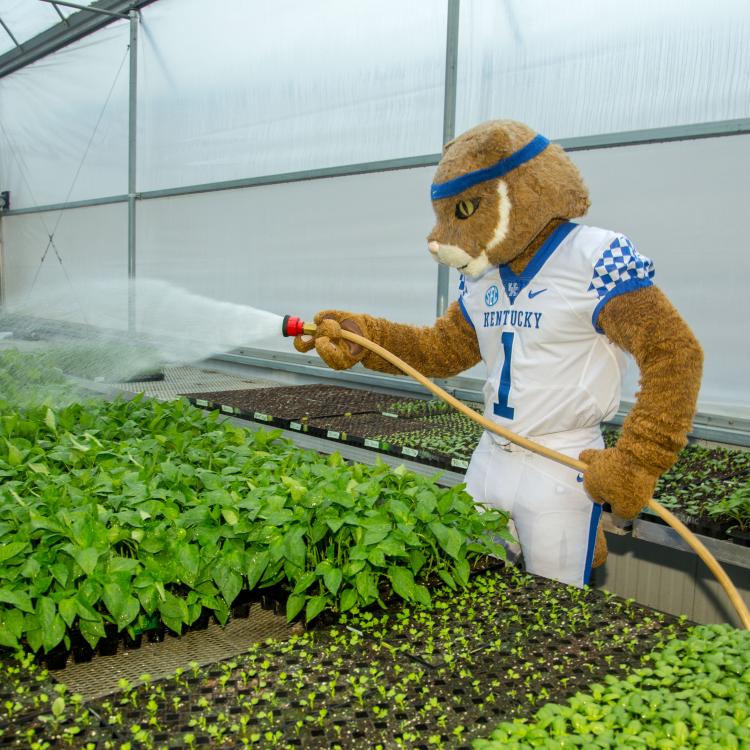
<point x="293" y="326"/>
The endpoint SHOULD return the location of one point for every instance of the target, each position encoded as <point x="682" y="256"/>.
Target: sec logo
<point x="491" y="296"/>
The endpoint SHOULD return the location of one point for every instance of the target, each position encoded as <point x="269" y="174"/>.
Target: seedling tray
<point x="406" y="678"/>
<point x="286" y="406"/>
<point x="361" y="429"/>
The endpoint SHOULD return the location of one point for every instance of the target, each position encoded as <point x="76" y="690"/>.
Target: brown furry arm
<point x="439" y="351"/>
<point x="670" y="359"/>
<point x="444" y="349"/>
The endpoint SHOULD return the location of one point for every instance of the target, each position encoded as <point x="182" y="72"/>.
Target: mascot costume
<point x="551" y="307"/>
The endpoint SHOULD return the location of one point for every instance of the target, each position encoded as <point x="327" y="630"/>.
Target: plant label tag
<point x="390" y="414"/>
<point x="370" y="443"/>
<point x="460" y="463"/>
<point x="295" y="426"/>
<point x="227" y="409"/>
<point x="406" y="451"/>
<point x="261" y="417"/>
<point x="201" y="402"/>
<point x="333" y="435"/>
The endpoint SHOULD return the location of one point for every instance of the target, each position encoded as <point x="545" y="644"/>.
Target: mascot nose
<point x="433" y="247"/>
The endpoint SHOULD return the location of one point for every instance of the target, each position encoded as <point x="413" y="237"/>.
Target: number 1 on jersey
<point x="501" y="408"/>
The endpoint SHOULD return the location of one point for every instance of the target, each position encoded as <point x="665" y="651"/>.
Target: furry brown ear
<point x="448" y="145"/>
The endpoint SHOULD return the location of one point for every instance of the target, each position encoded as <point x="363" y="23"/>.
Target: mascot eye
<point x="466" y="208"/>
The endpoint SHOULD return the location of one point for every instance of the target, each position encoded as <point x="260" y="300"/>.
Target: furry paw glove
<point x="336" y="352"/>
<point x="614" y="477"/>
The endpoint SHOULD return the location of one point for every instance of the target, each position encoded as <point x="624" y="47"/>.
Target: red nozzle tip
<point x="292" y="325"/>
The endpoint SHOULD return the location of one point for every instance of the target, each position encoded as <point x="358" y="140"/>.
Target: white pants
<point x="555" y="520"/>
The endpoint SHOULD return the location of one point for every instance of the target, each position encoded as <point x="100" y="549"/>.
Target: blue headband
<point x="509" y="163"/>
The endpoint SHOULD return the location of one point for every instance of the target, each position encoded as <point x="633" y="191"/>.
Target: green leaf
<point x="447" y="578"/>
<point x="50" y="421"/>
<point x="426" y="505"/>
<point x="295" y="549"/>
<point x="114" y="596"/>
<point x="304" y="583"/>
<point x="18" y="599"/>
<point x="229" y="581"/>
<point x="11" y="550"/>
<point x="296" y="490"/>
<point x="294" y="605"/>
<point x="332" y="579"/>
<point x="462" y="572"/>
<point x="7" y="639"/>
<point x="392" y="547"/>
<point x="230" y="516"/>
<point x="11" y="627"/>
<point x="68" y="610"/>
<point x="256" y="567"/>
<point x="174" y="612"/>
<point x="33" y="632"/>
<point x="402" y="581"/>
<point x="315" y="605"/>
<point x="92" y="631"/>
<point x="400" y="511"/>
<point x="87" y="559"/>
<point x="53" y="634"/>
<point x="118" y="564"/>
<point x="14" y="455"/>
<point x="376" y="558"/>
<point x="366" y="585"/>
<point x="334" y="524"/>
<point x="61" y="573"/>
<point x="189" y="559"/>
<point x="450" y="539"/>
<point x="375" y="533"/>
<point x="417" y="559"/>
<point x="12" y="621"/>
<point x="58" y="707"/>
<point x="348" y="599"/>
<point x="422" y="595"/>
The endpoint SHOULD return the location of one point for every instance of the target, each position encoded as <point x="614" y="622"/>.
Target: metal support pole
<point x="10" y="34"/>
<point x="132" y="125"/>
<point x="2" y="266"/>
<point x="60" y="13"/>
<point x="449" y="126"/>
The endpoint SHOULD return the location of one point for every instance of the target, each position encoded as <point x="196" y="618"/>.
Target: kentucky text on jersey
<point x="515" y="318"/>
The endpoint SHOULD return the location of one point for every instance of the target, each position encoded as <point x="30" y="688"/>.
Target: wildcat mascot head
<point x="482" y="176"/>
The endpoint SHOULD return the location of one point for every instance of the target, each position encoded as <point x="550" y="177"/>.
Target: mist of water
<point x="87" y="333"/>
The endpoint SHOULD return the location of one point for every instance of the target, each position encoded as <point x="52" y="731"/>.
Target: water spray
<point x="294" y="326"/>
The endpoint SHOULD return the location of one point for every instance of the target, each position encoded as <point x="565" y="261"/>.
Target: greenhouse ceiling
<point x="34" y="28"/>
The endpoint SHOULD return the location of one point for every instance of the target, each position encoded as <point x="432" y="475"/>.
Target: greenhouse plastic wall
<point x="236" y="93"/>
<point x="64" y="123"/>
<point x="604" y="68"/>
<point x="231" y="92"/>
<point x="88" y="243"/>
<point x="350" y="242"/>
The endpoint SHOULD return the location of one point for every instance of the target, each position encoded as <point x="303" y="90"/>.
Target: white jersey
<point x="549" y="368"/>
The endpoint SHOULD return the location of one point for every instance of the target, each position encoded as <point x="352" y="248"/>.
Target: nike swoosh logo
<point x="579" y="478"/>
<point x="534" y="294"/>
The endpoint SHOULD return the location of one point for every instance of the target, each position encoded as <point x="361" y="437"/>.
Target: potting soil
<point x="285" y="404"/>
<point x="410" y="678"/>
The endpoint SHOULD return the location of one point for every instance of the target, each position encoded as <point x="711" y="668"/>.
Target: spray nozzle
<point x="294" y="326"/>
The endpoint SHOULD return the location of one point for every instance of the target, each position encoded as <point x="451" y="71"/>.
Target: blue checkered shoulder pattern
<point x="620" y="264"/>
